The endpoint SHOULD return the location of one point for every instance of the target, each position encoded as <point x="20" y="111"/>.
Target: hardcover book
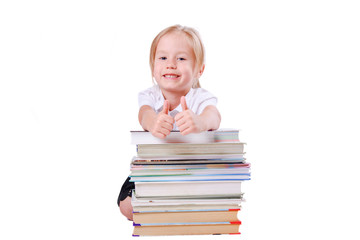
<point x="222" y="135"/>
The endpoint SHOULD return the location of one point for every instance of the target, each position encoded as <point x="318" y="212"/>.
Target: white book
<point x="222" y="135"/>
<point x="187" y="172"/>
<point x="188" y="189"/>
<point x="186" y="208"/>
<point x="154" y="150"/>
<point x="148" y="202"/>
<point x="189" y="159"/>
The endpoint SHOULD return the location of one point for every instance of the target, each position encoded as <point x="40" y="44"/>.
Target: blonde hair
<point x="195" y="41"/>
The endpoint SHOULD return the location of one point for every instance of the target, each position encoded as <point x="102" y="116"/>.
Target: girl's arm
<point x="211" y="118"/>
<point x="188" y="122"/>
<point x="160" y="125"/>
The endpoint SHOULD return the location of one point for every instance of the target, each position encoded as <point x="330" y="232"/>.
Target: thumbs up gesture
<point x="187" y="121"/>
<point x="163" y="123"/>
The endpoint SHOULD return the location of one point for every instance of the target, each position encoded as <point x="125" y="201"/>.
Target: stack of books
<point x="188" y="185"/>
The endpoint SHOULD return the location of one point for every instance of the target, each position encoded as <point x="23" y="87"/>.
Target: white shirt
<point x="197" y="99"/>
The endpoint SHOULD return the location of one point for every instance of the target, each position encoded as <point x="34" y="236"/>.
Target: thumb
<point x="183" y="103"/>
<point x="166" y="106"/>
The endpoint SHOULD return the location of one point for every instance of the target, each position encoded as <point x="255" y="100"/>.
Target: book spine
<point x="186" y="223"/>
<point x="189" y="210"/>
<point x="236" y="222"/>
<point x="238" y="233"/>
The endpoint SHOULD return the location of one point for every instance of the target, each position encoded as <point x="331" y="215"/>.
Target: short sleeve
<point x="146" y="97"/>
<point x="204" y="99"/>
<point x="207" y="102"/>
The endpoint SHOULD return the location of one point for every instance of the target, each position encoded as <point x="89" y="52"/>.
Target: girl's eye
<point x="162" y="58"/>
<point x="181" y="59"/>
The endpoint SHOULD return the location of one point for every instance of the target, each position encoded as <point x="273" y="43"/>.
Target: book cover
<point x="203" y="215"/>
<point x="187" y="229"/>
<point x="177" y="202"/>
<point x="154" y="150"/>
<point x="184" y="189"/>
<point x="221" y="135"/>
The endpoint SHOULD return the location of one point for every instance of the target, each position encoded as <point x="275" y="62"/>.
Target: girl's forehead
<point x="176" y="39"/>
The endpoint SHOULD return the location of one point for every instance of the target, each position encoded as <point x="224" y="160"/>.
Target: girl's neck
<point x="173" y="98"/>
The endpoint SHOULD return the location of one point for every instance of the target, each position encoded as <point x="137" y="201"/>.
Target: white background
<point x="285" y="72"/>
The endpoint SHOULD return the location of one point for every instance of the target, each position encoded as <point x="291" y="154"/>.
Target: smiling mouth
<point x="171" y="76"/>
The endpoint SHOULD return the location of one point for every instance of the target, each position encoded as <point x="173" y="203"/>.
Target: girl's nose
<point x="171" y="64"/>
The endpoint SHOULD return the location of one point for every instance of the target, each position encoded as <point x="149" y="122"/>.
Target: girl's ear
<point x="201" y="70"/>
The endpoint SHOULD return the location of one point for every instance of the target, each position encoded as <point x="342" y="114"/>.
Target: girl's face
<point x="174" y="65"/>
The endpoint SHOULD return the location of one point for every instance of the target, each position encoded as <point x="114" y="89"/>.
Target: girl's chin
<point x="176" y="90"/>
<point x="174" y="86"/>
<point x="171" y="85"/>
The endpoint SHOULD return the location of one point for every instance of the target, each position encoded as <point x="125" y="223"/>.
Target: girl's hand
<point x="187" y="121"/>
<point x="163" y="123"/>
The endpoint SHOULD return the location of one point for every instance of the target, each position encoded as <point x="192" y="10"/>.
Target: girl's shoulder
<point x="154" y="91"/>
<point x="151" y="96"/>
<point x="201" y="92"/>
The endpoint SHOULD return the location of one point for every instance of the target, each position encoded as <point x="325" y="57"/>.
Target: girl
<point x="176" y="102"/>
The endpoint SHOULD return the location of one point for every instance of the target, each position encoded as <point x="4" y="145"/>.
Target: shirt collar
<point x="160" y="100"/>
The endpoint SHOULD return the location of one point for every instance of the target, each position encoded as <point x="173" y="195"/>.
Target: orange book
<point x="178" y="216"/>
<point x="214" y="228"/>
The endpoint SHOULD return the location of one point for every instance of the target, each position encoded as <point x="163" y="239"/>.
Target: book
<point x="189" y="159"/>
<point x="186" y="208"/>
<point x="221" y="135"/>
<point x="187" y="171"/>
<point x="177" y="202"/>
<point x="193" y="178"/>
<point x="186" y="229"/>
<point x="194" y="215"/>
<point x="176" y="166"/>
<point x="202" y="189"/>
<point x="154" y="150"/>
